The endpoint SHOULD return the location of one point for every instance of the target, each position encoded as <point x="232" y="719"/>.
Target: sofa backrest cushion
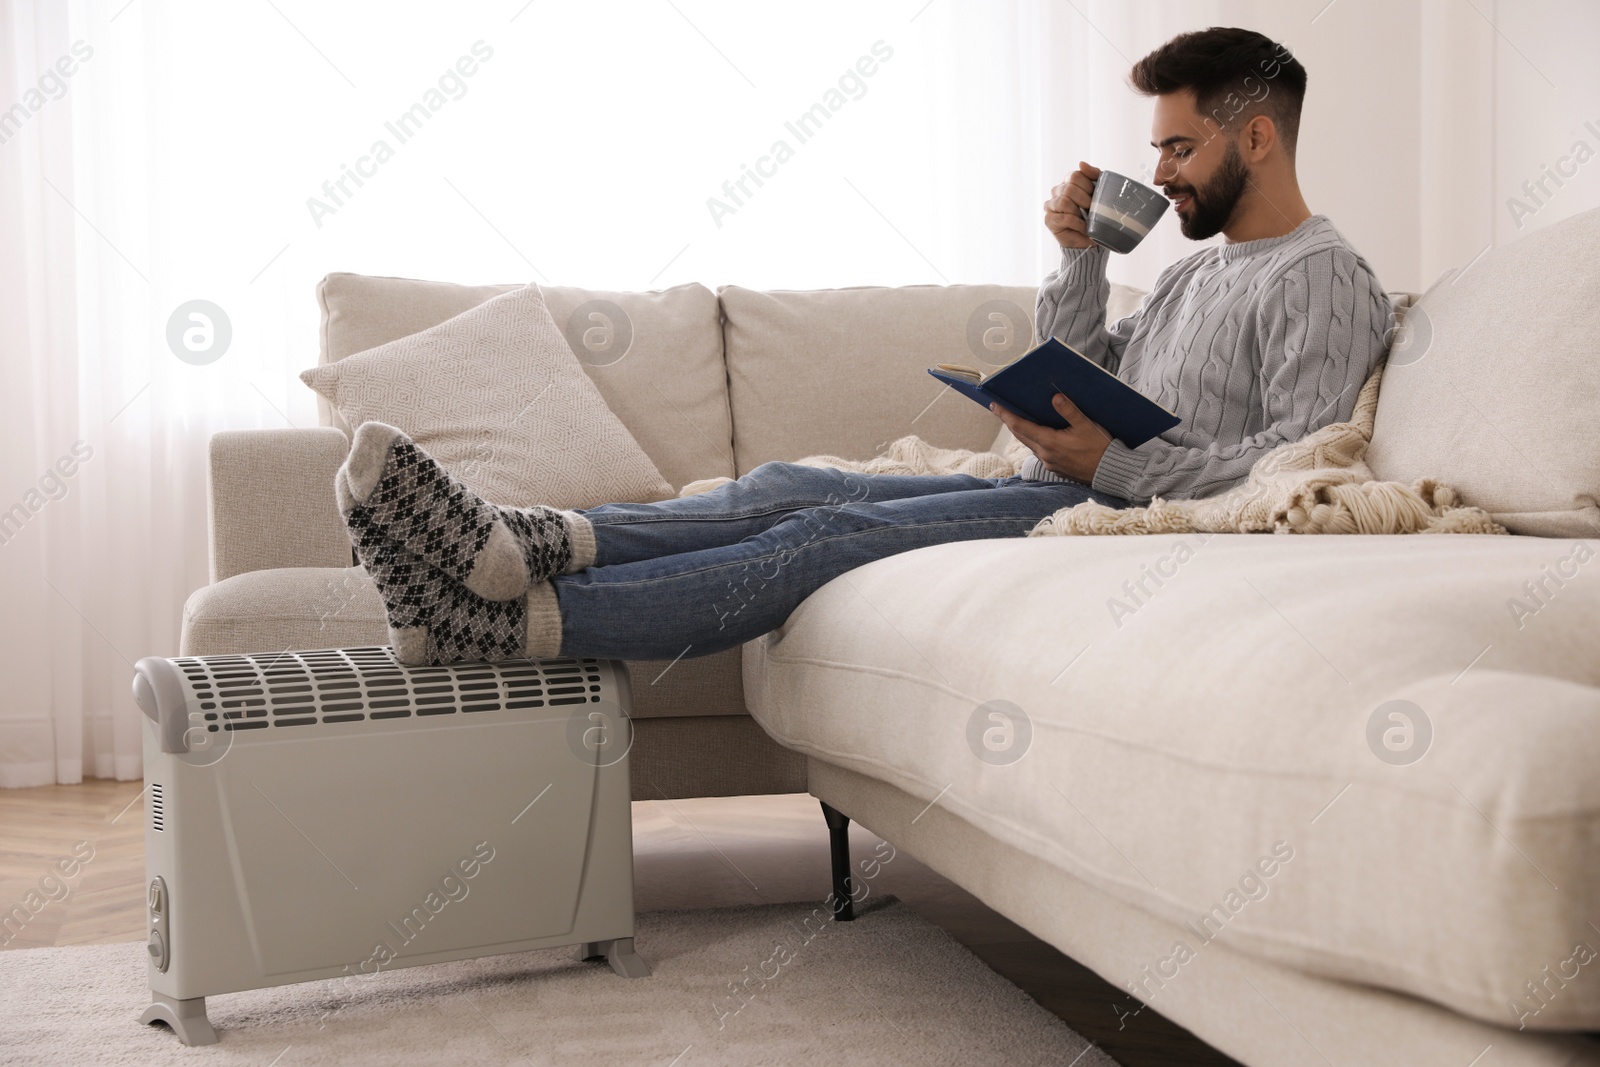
<point x="844" y="371"/>
<point x="655" y="357"/>
<point x="1491" y="384"/>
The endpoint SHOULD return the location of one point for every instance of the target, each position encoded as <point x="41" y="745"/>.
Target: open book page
<point x="958" y="370"/>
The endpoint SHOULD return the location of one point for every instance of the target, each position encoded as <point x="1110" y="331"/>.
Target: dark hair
<point x="1232" y="73"/>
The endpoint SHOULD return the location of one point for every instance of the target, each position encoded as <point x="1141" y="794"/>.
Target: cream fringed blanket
<point x="1319" y="484"/>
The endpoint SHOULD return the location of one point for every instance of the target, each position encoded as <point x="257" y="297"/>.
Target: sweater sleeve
<point x="1319" y="328"/>
<point x="1072" y="307"/>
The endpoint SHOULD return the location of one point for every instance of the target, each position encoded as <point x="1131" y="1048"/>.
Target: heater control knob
<point x="158" y="950"/>
<point x="157" y="903"/>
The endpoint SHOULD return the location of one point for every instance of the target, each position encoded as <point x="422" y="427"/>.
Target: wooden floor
<point x="688" y="854"/>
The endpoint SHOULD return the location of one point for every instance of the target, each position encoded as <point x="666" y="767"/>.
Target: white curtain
<point x="81" y="575"/>
<point x="154" y="153"/>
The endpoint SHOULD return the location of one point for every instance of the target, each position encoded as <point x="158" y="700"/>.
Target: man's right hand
<point x="1064" y="212"/>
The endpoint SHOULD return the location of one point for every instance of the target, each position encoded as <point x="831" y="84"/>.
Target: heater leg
<point x="186" y="1017"/>
<point x="844" y="907"/>
<point x="619" y="953"/>
<point x="625" y="961"/>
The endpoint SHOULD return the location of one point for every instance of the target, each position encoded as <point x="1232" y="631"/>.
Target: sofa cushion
<point x="496" y="396"/>
<point x="1491" y="385"/>
<point x="296" y="608"/>
<point x="1233" y="722"/>
<point x="843" y="372"/>
<point x="655" y="357"/>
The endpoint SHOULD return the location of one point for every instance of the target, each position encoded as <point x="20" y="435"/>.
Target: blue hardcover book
<point x="1027" y="388"/>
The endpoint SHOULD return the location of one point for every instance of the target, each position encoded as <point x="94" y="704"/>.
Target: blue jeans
<point x="699" y="574"/>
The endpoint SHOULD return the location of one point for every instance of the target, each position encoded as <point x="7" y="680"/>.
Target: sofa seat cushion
<point x="1367" y="757"/>
<point x="298" y="608"/>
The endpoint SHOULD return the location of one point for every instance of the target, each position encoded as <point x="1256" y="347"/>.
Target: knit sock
<point x="495" y="552"/>
<point x="553" y="541"/>
<point x="465" y="628"/>
<point x="457" y="625"/>
<point x="408" y="586"/>
<point x="433" y="618"/>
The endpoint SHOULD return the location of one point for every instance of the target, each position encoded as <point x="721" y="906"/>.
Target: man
<point x="1252" y="343"/>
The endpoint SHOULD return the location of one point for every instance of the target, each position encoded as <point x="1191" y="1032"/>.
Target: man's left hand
<point x="1074" y="452"/>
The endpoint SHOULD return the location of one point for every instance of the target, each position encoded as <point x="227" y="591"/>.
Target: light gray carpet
<point x="888" y="988"/>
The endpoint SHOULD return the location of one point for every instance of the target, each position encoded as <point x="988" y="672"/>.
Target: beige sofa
<point x="710" y="384"/>
<point x="1214" y="805"/>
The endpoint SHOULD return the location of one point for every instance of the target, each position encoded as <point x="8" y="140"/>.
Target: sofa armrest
<point x="272" y="502"/>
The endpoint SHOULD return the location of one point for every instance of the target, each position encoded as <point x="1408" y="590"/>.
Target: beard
<point x="1212" y="205"/>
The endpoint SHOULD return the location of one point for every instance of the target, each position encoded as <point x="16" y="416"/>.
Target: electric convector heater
<point x="332" y="813"/>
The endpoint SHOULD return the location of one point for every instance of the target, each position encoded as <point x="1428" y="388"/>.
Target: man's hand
<point x="1064" y="211"/>
<point x="1074" y="452"/>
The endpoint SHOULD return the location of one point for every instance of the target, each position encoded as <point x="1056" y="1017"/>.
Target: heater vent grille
<point x="158" y="811"/>
<point x="341" y="685"/>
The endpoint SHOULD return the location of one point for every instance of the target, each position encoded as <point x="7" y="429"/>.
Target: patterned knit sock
<point x="433" y="618"/>
<point x="553" y="542"/>
<point x="466" y="628"/>
<point x="414" y="502"/>
<point x="411" y="589"/>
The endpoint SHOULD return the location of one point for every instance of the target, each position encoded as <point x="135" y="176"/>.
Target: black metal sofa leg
<point x="844" y="908"/>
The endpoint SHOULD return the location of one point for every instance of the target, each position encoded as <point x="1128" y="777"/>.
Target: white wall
<point x="1510" y="96"/>
<point x="1546" y="74"/>
<point x="1357" y="157"/>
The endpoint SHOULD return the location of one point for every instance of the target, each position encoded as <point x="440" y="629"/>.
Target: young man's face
<point x="1199" y="167"/>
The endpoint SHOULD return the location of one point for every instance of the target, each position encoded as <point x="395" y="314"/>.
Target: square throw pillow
<point x="496" y="396"/>
<point x="1491" y="381"/>
<point x="658" y="363"/>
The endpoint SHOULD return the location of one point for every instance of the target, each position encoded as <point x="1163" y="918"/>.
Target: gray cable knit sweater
<point x="1251" y="345"/>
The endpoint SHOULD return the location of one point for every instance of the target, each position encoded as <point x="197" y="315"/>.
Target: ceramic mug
<point x="1123" y="211"/>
